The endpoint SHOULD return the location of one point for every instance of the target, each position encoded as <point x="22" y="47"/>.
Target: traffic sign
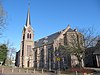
<point x="58" y="59"/>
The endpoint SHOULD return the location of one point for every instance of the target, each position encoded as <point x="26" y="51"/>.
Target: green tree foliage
<point x="3" y="52"/>
<point x="11" y="53"/>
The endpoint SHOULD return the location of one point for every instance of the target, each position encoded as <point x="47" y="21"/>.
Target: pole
<point x="2" y="70"/>
<point x="76" y="73"/>
<point x="34" y="70"/>
<point x="18" y="70"/>
<point x="42" y="70"/>
<point x="58" y="67"/>
<point x="12" y="69"/>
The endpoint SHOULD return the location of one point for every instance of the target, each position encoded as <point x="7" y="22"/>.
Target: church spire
<point x="28" y="22"/>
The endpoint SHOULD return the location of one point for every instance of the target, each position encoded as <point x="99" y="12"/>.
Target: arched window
<point x="23" y="37"/>
<point x="28" y="35"/>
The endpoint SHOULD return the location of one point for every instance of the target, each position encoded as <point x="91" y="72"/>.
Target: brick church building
<point x="40" y="53"/>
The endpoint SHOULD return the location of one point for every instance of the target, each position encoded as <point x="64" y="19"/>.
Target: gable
<point x="50" y="39"/>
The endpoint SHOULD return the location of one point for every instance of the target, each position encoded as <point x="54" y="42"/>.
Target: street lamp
<point x="58" y="61"/>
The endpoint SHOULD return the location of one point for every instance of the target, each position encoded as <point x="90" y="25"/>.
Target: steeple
<point x="28" y="21"/>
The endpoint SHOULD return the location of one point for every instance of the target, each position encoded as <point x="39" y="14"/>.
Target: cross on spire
<point x="29" y="1"/>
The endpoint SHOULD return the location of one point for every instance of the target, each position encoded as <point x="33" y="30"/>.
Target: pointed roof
<point x="51" y="37"/>
<point x="28" y="21"/>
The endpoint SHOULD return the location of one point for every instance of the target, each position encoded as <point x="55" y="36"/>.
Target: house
<point x="92" y="56"/>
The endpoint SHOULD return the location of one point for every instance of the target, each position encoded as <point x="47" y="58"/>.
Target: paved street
<point x="30" y="74"/>
<point x="18" y="71"/>
<point x="96" y="73"/>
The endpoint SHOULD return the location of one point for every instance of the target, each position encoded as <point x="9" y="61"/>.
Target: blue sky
<point x="49" y="16"/>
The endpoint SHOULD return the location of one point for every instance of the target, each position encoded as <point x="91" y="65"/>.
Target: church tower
<point x="27" y="44"/>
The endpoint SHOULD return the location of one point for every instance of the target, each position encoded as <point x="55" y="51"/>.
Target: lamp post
<point x="58" y="62"/>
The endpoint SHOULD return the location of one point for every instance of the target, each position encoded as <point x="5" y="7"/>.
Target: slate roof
<point x="70" y="30"/>
<point x="49" y="39"/>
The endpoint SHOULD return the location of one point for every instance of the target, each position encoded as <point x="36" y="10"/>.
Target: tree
<point x="63" y="57"/>
<point x="3" y="18"/>
<point x="11" y="52"/>
<point x="3" y="53"/>
<point x="77" y="43"/>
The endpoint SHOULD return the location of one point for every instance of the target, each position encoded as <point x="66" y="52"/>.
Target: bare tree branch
<point x="3" y="18"/>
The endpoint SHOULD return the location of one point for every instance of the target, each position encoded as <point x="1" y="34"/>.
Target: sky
<point x="48" y="17"/>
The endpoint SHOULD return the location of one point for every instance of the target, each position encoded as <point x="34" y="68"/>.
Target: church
<point x="40" y="54"/>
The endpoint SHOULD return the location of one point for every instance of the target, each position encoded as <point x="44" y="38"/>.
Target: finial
<point x="68" y="26"/>
<point x="29" y="1"/>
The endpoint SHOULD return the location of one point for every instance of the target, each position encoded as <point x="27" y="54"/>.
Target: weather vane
<point x="29" y="1"/>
